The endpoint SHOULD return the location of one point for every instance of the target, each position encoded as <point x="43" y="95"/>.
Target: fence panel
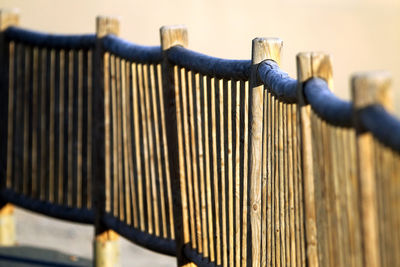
<point x="48" y="158"/>
<point x="378" y="163"/>
<point x="330" y="170"/>
<point x="138" y="195"/>
<point x="283" y="237"/>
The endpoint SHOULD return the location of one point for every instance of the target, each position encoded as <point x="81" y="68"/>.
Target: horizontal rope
<point x="152" y="242"/>
<point x="328" y="106"/>
<point x="277" y="81"/>
<point x="384" y="126"/>
<point x="207" y="65"/>
<point x="81" y="215"/>
<point x="46" y="40"/>
<point x="132" y="52"/>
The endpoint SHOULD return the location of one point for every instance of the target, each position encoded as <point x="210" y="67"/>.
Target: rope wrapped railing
<point x="211" y="102"/>
<point x="383" y="125"/>
<point x="210" y="66"/>
<point x="281" y="85"/>
<point x="50" y="41"/>
<point x="218" y="162"/>
<point x="47" y="113"/>
<point x="282" y="228"/>
<point x="132" y="52"/>
<point x="329" y="107"/>
<point x="137" y="185"/>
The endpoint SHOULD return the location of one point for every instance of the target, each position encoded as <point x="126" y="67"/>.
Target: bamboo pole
<point x="106" y="244"/>
<point x="172" y="36"/>
<point x="7" y="222"/>
<point x="262" y="49"/>
<point x="310" y="65"/>
<point x="369" y="89"/>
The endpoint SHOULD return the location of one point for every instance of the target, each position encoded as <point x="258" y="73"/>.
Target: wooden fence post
<point x="175" y="36"/>
<point x="106" y="243"/>
<point x="262" y="49"/>
<point x="7" y="223"/>
<point x="310" y="65"/>
<point x="368" y="89"/>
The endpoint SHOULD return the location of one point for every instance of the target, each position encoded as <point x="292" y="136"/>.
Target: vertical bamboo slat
<point x="172" y="36"/>
<point x="135" y="103"/>
<point x="262" y="49"/>
<point x="310" y="65"/>
<point x="7" y="225"/>
<point x="106" y="246"/>
<point x="369" y="89"/>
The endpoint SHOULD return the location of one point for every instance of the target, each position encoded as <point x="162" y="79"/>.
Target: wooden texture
<point x="310" y="65"/>
<point x="8" y="17"/>
<point x="107" y="249"/>
<point x="330" y="188"/>
<point x="262" y="49"/>
<point x="106" y="246"/>
<point x="171" y="36"/>
<point x="106" y="25"/>
<point x="369" y="89"/>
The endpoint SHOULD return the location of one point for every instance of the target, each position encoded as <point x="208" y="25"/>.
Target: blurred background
<point x="360" y="35"/>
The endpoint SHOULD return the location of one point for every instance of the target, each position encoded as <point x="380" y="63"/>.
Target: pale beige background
<point x="359" y="34"/>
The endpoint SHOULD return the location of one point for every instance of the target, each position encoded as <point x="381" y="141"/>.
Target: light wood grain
<point x="126" y="145"/>
<point x="310" y="65"/>
<point x="194" y="159"/>
<point x="9" y="17"/>
<point x="208" y="169"/>
<point x="114" y="138"/>
<point x="262" y="49"/>
<point x="165" y="149"/>
<point x="201" y="158"/>
<point x="245" y="111"/>
<point x="185" y="213"/>
<point x="157" y="149"/>
<point x="107" y="130"/>
<point x="150" y="121"/>
<point x="215" y="172"/>
<point x="107" y="25"/>
<point x="138" y="138"/>
<point x="147" y="175"/>
<point x="237" y="176"/>
<point x="369" y="89"/>
<point x="188" y="158"/>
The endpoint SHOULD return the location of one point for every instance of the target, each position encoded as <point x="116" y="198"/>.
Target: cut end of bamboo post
<point x="370" y="88"/>
<point x="7" y="226"/>
<point x="266" y="48"/>
<point x="173" y="35"/>
<point x="314" y="64"/>
<point x="106" y="249"/>
<point x="8" y="17"/>
<point x="107" y="25"/>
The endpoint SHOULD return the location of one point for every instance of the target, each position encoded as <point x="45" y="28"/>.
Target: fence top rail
<point x="207" y="65"/>
<point x="384" y="126"/>
<point x="278" y="81"/>
<point x="327" y="105"/>
<point x="56" y="41"/>
<point x="130" y="51"/>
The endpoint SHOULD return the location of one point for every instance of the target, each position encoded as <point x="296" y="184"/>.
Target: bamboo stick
<point x="369" y="89"/>
<point x="310" y="65"/>
<point x="262" y="49"/>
